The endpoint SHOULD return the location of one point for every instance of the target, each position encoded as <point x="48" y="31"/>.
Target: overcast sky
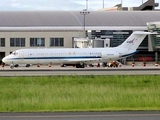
<point x="10" y="5"/>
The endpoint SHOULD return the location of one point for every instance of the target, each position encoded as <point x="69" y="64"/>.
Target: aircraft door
<point x="21" y="55"/>
<point x="104" y="55"/>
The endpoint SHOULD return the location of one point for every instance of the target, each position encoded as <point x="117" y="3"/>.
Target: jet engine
<point x="110" y="56"/>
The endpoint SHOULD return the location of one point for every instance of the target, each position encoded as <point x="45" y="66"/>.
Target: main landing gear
<point x="79" y="65"/>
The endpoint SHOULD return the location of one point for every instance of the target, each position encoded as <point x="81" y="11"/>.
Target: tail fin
<point x="134" y="40"/>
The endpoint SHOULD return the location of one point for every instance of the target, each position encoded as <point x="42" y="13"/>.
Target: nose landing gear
<point x="12" y="66"/>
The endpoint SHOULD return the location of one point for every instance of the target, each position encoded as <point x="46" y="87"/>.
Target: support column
<point x="156" y="56"/>
<point x="150" y="43"/>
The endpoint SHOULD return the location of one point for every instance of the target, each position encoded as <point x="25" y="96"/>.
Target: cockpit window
<point x="14" y="53"/>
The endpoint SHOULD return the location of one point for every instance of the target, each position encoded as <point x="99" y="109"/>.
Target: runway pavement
<point x="130" y="115"/>
<point x="56" y="70"/>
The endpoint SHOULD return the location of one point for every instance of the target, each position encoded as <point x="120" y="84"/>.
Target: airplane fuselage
<point x="65" y="55"/>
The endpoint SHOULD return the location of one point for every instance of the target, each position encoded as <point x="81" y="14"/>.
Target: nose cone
<point x="4" y="60"/>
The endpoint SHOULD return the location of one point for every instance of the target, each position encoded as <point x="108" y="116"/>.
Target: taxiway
<point x="130" y="115"/>
<point x="56" y="70"/>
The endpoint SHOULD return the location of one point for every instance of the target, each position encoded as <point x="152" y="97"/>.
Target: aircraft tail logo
<point x="131" y="41"/>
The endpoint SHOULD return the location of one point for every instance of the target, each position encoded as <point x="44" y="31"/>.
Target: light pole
<point x="121" y="3"/>
<point x="103" y="4"/>
<point x="87" y="4"/>
<point x="84" y="13"/>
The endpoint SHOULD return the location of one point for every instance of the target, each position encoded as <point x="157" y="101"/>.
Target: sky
<point x="27" y="5"/>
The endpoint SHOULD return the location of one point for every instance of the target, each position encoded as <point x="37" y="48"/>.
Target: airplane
<point x="77" y="56"/>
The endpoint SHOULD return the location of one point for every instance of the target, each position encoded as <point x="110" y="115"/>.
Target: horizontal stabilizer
<point x="144" y="33"/>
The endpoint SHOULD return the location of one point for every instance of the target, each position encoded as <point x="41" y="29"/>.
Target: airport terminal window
<point x="56" y="41"/>
<point x="2" y="42"/>
<point x="17" y="42"/>
<point x="37" y="42"/>
<point x="116" y="36"/>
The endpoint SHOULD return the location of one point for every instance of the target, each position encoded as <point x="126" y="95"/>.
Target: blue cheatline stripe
<point x="129" y="54"/>
<point x="69" y="57"/>
<point x="75" y="57"/>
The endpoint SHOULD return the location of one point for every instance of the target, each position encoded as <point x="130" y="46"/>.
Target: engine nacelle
<point x="110" y="56"/>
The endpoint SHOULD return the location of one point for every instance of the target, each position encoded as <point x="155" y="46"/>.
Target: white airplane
<point x="78" y="56"/>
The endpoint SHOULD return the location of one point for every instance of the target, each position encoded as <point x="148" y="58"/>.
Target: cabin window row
<point x="70" y="53"/>
<point x="34" y="42"/>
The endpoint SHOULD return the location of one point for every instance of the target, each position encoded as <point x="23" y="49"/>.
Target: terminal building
<point x="58" y="29"/>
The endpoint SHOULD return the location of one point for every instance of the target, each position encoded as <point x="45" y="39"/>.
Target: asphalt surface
<point x="56" y="70"/>
<point x="139" y="115"/>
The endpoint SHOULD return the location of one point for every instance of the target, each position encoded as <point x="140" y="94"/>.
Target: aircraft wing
<point x="91" y="60"/>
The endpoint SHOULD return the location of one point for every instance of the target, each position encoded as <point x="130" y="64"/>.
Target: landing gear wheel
<point x="79" y="66"/>
<point x="82" y="66"/>
<point x="28" y="65"/>
<point x="12" y="67"/>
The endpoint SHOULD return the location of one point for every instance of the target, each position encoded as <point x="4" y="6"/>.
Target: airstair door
<point x="21" y="56"/>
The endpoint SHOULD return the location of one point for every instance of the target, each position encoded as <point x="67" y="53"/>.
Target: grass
<point x="79" y="93"/>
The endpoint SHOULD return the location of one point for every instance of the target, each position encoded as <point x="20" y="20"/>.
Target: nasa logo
<point x="131" y="41"/>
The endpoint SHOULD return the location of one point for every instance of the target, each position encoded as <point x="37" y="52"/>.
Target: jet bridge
<point x="82" y="43"/>
<point x="99" y="42"/>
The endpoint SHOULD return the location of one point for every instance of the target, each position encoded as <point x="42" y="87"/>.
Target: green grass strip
<point x="79" y="93"/>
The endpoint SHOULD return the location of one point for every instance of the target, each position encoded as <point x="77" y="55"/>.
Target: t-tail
<point x="134" y="40"/>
